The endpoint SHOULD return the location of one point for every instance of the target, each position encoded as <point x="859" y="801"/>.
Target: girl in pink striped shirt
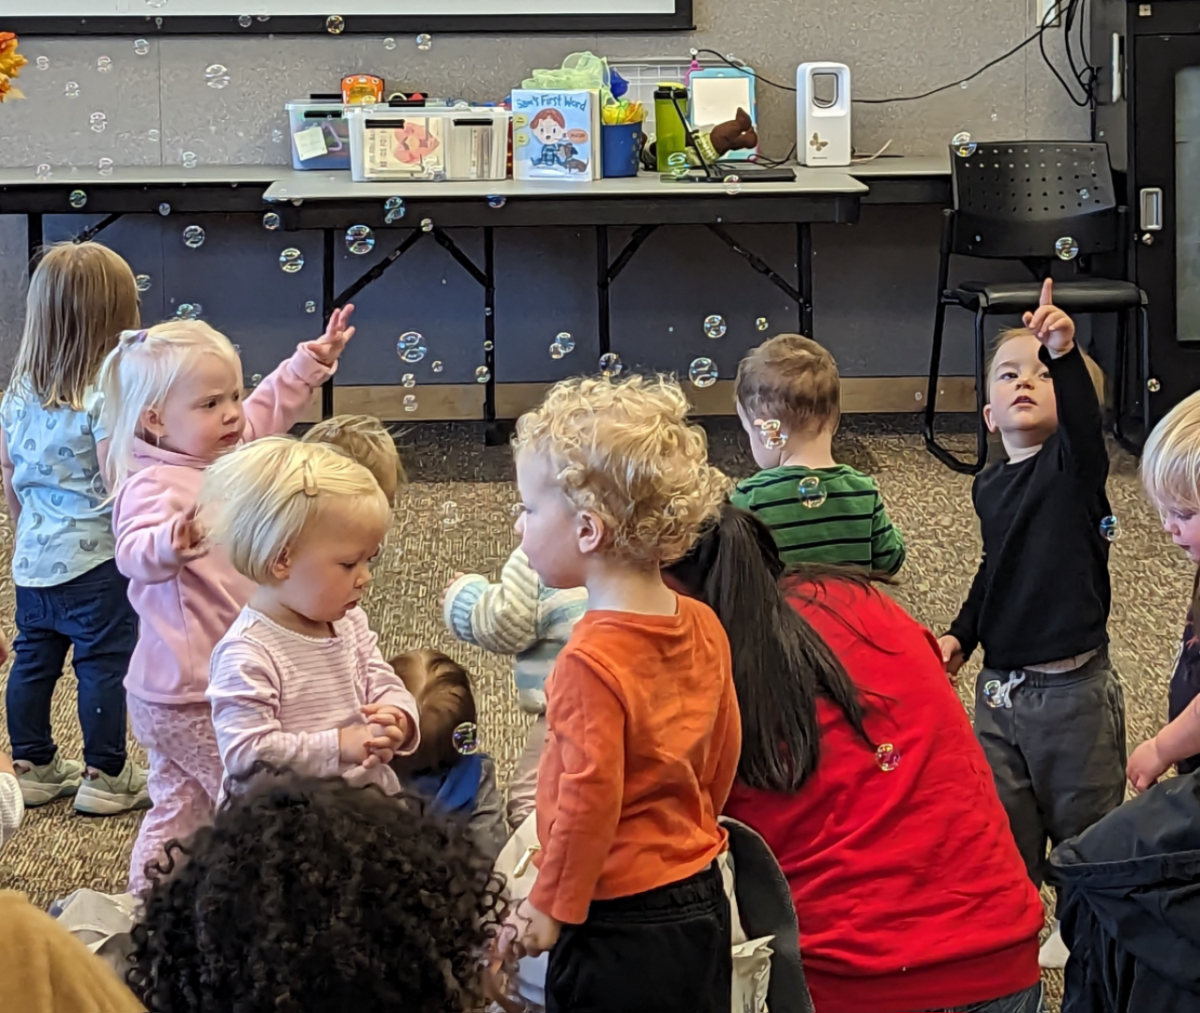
<point x="298" y="681"/>
<point x="173" y="405"/>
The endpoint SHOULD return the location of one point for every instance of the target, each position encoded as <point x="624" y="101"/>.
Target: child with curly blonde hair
<point x="298" y="680"/>
<point x="643" y="726"/>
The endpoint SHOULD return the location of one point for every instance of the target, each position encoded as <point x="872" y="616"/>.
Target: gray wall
<point x="874" y="281"/>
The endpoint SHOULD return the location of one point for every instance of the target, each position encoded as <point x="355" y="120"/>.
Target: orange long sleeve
<point x="642" y="749"/>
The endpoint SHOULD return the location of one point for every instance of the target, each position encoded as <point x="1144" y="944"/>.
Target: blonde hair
<point x="257" y="500"/>
<point x="139" y="373"/>
<point x="81" y="296"/>
<point x="1171" y="458"/>
<point x="624" y="451"/>
<point x="1007" y="335"/>
<point x="365" y="439"/>
<point x="793" y="379"/>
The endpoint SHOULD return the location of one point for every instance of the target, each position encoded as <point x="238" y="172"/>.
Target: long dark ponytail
<point x="780" y="663"/>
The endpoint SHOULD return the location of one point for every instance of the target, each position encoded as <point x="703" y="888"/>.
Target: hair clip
<point x="310" y="480"/>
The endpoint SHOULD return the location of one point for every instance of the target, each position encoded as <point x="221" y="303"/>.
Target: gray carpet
<point x="57" y="851"/>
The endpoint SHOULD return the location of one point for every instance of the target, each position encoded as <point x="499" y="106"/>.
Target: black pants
<point x="667" y="950"/>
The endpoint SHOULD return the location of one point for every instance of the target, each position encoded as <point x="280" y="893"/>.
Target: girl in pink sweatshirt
<point x="173" y="405"/>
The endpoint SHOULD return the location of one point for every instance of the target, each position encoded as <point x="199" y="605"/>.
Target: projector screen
<point x="205" y="17"/>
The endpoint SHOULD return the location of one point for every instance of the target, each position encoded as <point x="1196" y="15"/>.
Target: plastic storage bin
<point x="427" y="143"/>
<point x="320" y="134"/>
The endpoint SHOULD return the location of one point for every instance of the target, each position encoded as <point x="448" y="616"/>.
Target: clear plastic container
<point x="320" y="133"/>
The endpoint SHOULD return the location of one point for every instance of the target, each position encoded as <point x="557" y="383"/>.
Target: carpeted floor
<point x="457" y="515"/>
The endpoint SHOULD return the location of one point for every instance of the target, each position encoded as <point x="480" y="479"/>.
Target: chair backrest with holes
<point x="1019" y="199"/>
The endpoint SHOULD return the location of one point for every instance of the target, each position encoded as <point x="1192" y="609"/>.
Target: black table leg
<point x="804" y="277"/>
<point x="602" y="287"/>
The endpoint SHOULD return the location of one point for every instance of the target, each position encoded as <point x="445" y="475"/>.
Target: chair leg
<point x="1144" y="379"/>
<point x="1119" y="379"/>
<point x="1132" y="440"/>
<point x="981" y="432"/>
<point x="947" y="458"/>
<point x="935" y="366"/>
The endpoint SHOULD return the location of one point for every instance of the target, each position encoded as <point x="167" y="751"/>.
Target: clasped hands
<point x="378" y="740"/>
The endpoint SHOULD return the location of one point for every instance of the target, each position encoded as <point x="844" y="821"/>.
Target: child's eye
<point x="1008" y="374"/>
<point x="1183" y="515"/>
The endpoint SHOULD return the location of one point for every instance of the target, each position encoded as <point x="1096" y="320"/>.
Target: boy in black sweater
<point x="1049" y="709"/>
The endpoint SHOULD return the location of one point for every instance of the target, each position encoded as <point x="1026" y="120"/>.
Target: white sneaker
<point x="1054" y="952"/>
<point x="57" y="779"/>
<point x="101" y="795"/>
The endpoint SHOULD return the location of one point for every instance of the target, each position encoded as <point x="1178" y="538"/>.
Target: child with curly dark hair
<point x="308" y="895"/>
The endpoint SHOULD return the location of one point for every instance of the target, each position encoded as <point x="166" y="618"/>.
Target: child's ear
<point x="988" y="420"/>
<point x="590" y="532"/>
<point x="281" y="568"/>
<point x="151" y="421"/>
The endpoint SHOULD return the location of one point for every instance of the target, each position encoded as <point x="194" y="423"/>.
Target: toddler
<point x="173" y="405"/>
<point x="643" y="730"/>
<point x="448" y="774"/>
<point x="518" y="615"/>
<point x="1049" y="708"/>
<point x="365" y="439"/>
<point x="789" y="401"/>
<point x="298" y="680"/>
<point x="1171" y="475"/>
<point x="70" y="594"/>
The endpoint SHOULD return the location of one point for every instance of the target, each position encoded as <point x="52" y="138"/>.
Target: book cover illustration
<point x="411" y="148"/>
<point x="554" y="134"/>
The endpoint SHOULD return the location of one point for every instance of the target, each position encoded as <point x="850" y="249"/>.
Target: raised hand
<point x="1052" y="327"/>
<point x="328" y="347"/>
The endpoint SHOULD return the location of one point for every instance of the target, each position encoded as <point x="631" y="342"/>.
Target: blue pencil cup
<point x="620" y="148"/>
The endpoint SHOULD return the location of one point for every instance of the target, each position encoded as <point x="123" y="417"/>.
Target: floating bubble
<point x="43" y="171"/>
<point x="164" y="209"/>
<point x="103" y="64"/>
<point x="497" y="201"/>
<point x="811" y="492"/>
<point x="771" y="434"/>
<point x="188" y="159"/>
<point x="216" y="75"/>
<point x="262" y="17"/>
<point x="426" y="224"/>
<point x="256" y="379"/>
<point x="993" y="693"/>
<point x="1110" y="528"/>
<point x="310" y="307"/>
<point x="393" y="210"/>
<point x="702" y="372"/>
<point x="245" y="21"/>
<point x="436" y="365"/>
<point x="482" y="374"/>
<point x="677" y="164"/>
<point x="733" y="185"/>
<point x="389" y="43"/>
<point x="141" y="47"/>
<point x="193" y="237"/>
<point x="411" y="347"/>
<point x="77" y="199"/>
<point x="143" y="282"/>
<point x="99" y="122"/>
<point x="488" y="346"/>
<point x="761" y="324"/>
<point x="188" y="311"/>
<point x="466" y="738"/>
<point x="408" y="380"/>
<point x="714" y="326"/>
<point x="276" y="136"/>
<point x="153" y="134"/>
<point x="556" y="350"/>
<point x="410" y="402"/>
<point x="42" y="63"/>
<point x="449" y="514"/>
<point x="888" y="757"/>
<point x="565" y="341"/>
<point x="156" y="3"/>
<point x="1083" y="194"/>
<point x="335" y="24"/>
<point x="1153" y="385"/>
<point x="516" y="509"/>
<point x="963" y="146"/>
<point x="271" y="221"/>
<point x="291" y="260"/>
<point x="610" y="365"/>
<point x="424" y="42"/>
<point x="1066" y="247"/>
<point x="360" y="240"/>
<point x="71" y="90"/>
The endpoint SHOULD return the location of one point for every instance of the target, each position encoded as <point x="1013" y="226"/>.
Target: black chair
<point x="1033" y="202"/>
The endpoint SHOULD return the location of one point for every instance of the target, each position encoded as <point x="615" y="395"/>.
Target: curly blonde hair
<point x="624" y="451"/>
<point x="365" y="439"/>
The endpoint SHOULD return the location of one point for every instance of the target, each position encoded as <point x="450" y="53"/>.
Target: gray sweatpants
<point x="1056" y="746"/>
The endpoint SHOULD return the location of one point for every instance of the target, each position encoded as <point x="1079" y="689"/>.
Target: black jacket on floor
<point x="1129" y="901"/>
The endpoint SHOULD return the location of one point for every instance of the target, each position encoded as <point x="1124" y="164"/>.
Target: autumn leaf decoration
<point x="11" y="63"/>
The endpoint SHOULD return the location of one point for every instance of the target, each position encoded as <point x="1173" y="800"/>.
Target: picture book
<point x="556" y="134"/>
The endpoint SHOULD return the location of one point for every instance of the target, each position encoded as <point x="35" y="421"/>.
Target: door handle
<point x="1118" y="67"/>
<point x="1150" y="201"/>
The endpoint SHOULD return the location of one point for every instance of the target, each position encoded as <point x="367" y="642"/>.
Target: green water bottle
<point x="670" y="106"/>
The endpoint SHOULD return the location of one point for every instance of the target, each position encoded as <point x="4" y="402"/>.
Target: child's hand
<point x="187" y="537"/>
<point x="541" y="931"/>
<point x="363" y="744"/>
<point x="952" y="655"/>
<point x="1052" y="327"/>
<point x="391" y="721"/>
<point x="1145" y="766"/>
<point x="327" y="348"/>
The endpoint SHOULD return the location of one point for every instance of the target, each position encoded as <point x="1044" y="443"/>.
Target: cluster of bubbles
<point x="291" y="260"/>
<point x="1066" y="247"/>
<point x="703" y="372"/>
<point x="963" y="146"/>
<point x="610" y="365"/>
<point x="360" y="240"/>
<point x="193" y="237"/>
<point x="887" y="757"/>
<point x="810" y="492"/>
<point x="216" y="75"/>
<point x="393" y="210"/>
<point x="563" y="344"/>
<point x="411" y="347"/>
<point x="714" y="326"/>
<point x="770" y="431"/>
<point x="1110" y="528"/>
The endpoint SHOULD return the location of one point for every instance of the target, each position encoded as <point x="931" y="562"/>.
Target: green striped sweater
<point x="824" y="515"/>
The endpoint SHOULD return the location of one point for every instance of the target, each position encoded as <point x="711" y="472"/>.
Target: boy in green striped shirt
<point x="789" y="401"/>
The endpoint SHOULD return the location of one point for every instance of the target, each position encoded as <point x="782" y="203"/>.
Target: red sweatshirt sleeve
<point x="589" y="726"/>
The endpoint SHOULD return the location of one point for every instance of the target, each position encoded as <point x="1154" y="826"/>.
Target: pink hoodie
<point x="186" y="609"/>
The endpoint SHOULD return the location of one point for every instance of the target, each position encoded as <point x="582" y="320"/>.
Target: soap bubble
<point x="488" y="346"/>
<point x="1066" y="247"/>
<point x="271" y="221"/>
<point x="43" y="171"/>
<point x="408" y="380"/>
<point x="466" y="738"/>
<point x="733" y="185"/>
<point x="410" y="402"/>
<point x="164" y="209"/>
<point x="1083" y="194"/>
<point x="436" y="365"/>
<point x="99" y="122"/>
<point x="141" y="47"/>
<point x="276" y="136"/>
<point x="143" y="282"/>
<point x="702" y="372"/>
<point x="310" y="307"/>
<point x="43" y="63"/>
<point x="888" y="757"/>
<point x="335" y="24"/>
<point x="103" y="64"/>
<point x="193" y="237"/>
<point x="963" y="146"/>
<point x="291" y="260"/>
<point x="105" y="167"/>
<point x="389" y="43"/>
<point x="677" y="164"/>
<point x="188" y="311"/>
<point x="1110" y="528"/>
<point x="411" y="347"/>
<point x="993" y="693"/>
<point x="812" y="494"/>
<point x="393" y="210"/>
<point x="497" y="201"/>
<point x="1153" y="385"/>
<point x="360" y="240"/>
<point x="761" y="324"/>
<point x="71" y="90"/>
<point x="216" y="75"/>
<point x="482" y="374"/>
<point x="256" y="379"/>
<point x="156" y="3"/>
<point x="610" y="365"/>
<point x="426" y="224"/>
<point x="714" y="326"/>
<point x="770" y="432"/>
<point x="449" y="514"/>
<point x="563" y="344"/>
<point x="77" y="199"/>
<point x="188" y="159"/>
<point x="245" y="21"/>
<point x="153" y="134"/>
<point x="424" y="42"/>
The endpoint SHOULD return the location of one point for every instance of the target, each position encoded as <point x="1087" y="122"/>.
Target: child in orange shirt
<point x="643" y="726"/>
